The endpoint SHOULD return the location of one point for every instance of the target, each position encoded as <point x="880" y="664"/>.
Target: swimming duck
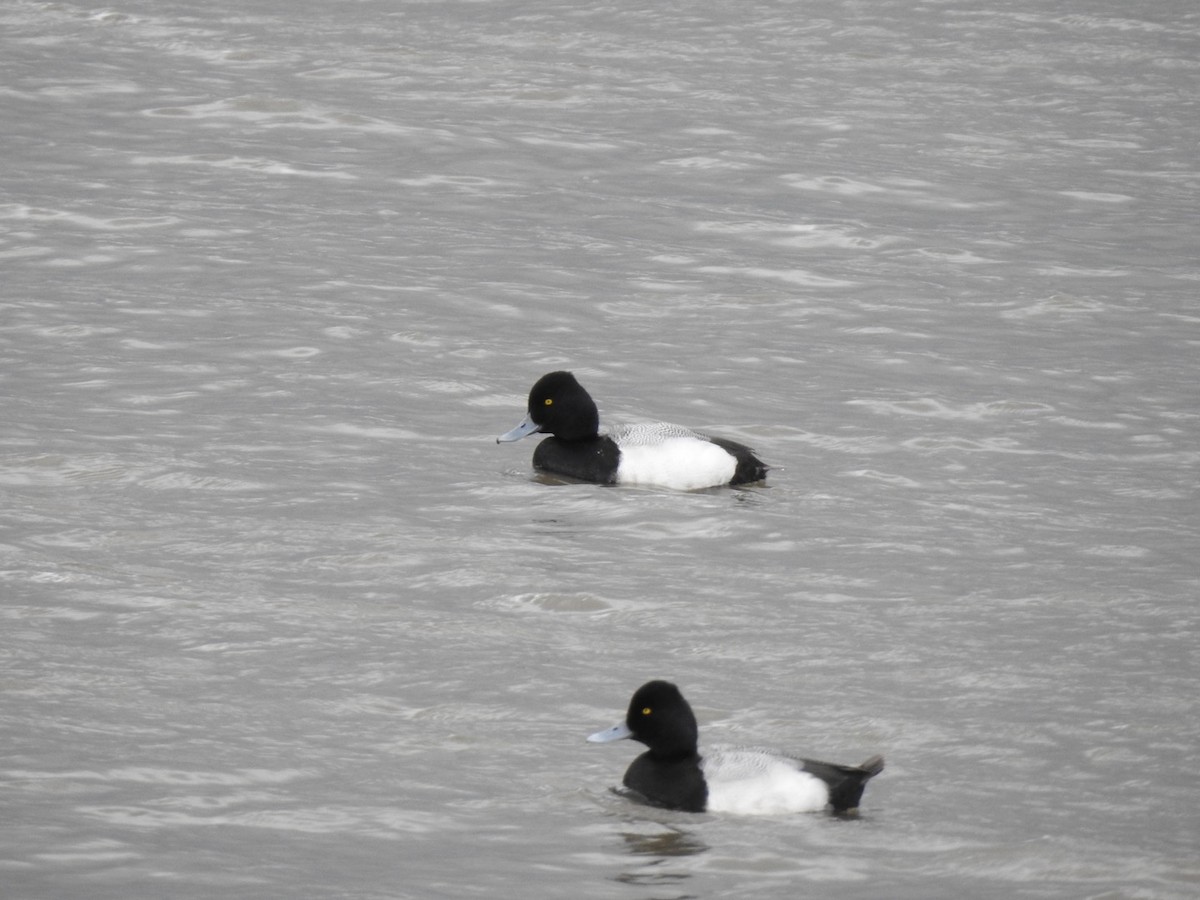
<point x="647" y="454"/>
<point x="672" y="773"/>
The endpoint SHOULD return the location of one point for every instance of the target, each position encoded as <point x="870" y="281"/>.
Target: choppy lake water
<point x="282" y="620"/>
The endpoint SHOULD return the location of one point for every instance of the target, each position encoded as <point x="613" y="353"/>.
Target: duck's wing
<point x="645" y="434"/>
<point x="736" y="763"/>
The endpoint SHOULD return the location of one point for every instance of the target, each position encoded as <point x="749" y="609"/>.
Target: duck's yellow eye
<point x="645" y="710"/>
<point x="549" y="401"/>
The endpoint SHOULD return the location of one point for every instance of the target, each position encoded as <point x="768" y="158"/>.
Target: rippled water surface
<point x="282" y="620"/>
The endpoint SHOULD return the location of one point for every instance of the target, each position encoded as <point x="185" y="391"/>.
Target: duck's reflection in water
<point x="655" y="852"/>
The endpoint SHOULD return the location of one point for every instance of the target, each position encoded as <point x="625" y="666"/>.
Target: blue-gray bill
<point x="527" y="426"/>
<point x="618" y="732"/>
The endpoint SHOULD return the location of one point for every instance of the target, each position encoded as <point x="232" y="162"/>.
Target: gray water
<point x="282" y="620"/>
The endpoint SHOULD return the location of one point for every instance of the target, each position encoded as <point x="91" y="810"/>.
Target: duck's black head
<point x="661" y="719"/>
<point x="560" y="406"/>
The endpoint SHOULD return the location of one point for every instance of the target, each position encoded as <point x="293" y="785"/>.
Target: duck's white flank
<point x="670" y="456"/>
<point x="749" y="781"/>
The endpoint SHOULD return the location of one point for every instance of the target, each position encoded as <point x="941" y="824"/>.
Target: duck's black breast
<point x="594" y="459"/>
<point x="675" y="783"/>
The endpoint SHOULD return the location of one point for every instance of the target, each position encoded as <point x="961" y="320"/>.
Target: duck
<point x="654" y="454"/>
<point x="673" y="773"/>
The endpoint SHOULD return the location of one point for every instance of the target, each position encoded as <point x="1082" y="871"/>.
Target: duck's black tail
<point x="750" y="468"/>
<point x="846" y="783"/>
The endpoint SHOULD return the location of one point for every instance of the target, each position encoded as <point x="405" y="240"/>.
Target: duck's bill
<point x="527" y="426"/>
<point x="616" y="733"/>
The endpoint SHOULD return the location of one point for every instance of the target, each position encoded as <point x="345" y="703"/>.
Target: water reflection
<point x="657" y="851"/>
<point x="673" y="842"/>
